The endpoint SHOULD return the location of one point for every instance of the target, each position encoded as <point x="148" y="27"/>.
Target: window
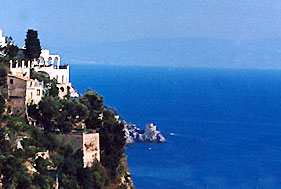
<point x="38" y="92"/>
<point x="11" y="81"/>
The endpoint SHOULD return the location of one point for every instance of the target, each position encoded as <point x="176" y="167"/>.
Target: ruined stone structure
<point x="23" y="91"/>
<point x="88" y="142"/>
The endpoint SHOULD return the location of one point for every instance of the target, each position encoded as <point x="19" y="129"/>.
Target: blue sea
<point x="223" y="126"/>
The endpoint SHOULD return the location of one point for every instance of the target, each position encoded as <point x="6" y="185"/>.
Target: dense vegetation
<point x="22" y="144"/>
<point x="63" y="115"/>
<point x="63" y="161"/>
<point x="52" y="115"/>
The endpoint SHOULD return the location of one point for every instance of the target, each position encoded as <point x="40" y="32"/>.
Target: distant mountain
<point x="179" y="52"/>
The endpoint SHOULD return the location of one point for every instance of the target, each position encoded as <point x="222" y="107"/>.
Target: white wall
<point x="34" y="92"/>
<point x="61" y="75"/>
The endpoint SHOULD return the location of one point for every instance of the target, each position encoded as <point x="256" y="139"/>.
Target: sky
<point x="68" y="22"/>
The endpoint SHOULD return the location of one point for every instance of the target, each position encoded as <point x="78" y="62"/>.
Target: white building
<point x="48" y="63"/>
<point x="51" y="65"/>
<point x="2" y="38"/>
<point x="21" y="68"/>
<point x="2" y="42"/>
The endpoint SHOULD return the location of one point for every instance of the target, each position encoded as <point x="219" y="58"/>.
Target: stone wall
<point x="16" y="94"/>
<point x="16" y="87"/>
<point x="91" y="148"/>
<point x="88" y="142"/>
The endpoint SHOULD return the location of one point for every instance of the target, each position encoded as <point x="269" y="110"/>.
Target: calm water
<point x="223" y="126"/>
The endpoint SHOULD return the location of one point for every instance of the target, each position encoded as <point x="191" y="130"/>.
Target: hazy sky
<point x="68" y="23"/>
<point x="104" y="21"/>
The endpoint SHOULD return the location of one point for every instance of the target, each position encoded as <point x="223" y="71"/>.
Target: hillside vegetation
<point x="33" y="156"/>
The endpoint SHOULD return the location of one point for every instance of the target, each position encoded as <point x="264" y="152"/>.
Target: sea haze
<point x="180" y="52"/>
<point x="222" y="125"/>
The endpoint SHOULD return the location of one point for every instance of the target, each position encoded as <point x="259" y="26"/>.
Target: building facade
<point x="53" y="68"/>
<point x="23" y="91"/>
<point x="51" y="64"/>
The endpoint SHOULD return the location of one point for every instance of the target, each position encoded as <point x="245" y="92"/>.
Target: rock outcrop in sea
<point x="134" y="134"/>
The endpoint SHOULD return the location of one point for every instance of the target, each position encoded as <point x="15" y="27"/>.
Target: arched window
<point x="62" y="89"/>
<point x="56" y="62"/>
<point x="50" y="60"/>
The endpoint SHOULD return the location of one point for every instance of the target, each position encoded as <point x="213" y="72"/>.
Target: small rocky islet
<point x="134" y="134"/>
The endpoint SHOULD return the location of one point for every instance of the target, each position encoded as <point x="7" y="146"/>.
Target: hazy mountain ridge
<point x="180" y="52"/>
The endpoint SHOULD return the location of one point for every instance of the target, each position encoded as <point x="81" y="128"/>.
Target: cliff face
<point x="126" y="179"/>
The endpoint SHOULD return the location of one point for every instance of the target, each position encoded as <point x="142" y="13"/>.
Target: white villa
<point x="22" y="90"/>
<point x="48" y="63"/>
<point x="51" y="65"/>
<point x="55" y="71"/>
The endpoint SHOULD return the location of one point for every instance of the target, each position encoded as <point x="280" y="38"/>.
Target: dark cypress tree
<point x="32" y="45"/>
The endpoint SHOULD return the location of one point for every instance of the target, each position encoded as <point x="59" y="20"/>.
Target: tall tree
<point x="32" y="45"/>
<point x="94" y="102"/>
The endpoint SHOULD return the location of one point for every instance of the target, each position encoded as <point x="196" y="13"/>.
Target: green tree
<point x="112" y="140"/>
<point x="32" y="45"/>
<point x="52" y="113"/>
<point x="94" y="102"/>
<point x="10" y="50"/>
<point x="47" y="112"/>
<point x="50" y="85"/>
